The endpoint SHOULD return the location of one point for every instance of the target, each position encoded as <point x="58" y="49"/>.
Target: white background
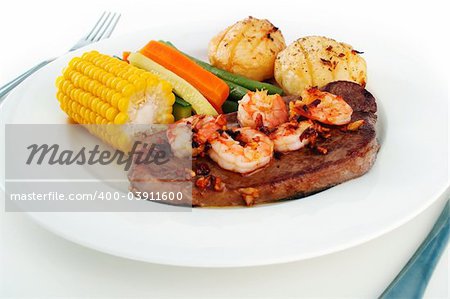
<point x="35" y="263"/>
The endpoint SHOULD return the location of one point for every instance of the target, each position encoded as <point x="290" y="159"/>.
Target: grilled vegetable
<point x="317" y="61"/>
<point x="212" y="87"/>
<point x="230" y="106"/>
<point x="233" y="78"/>
<point x="181" y="109"/>
<point x="180" y="86"/>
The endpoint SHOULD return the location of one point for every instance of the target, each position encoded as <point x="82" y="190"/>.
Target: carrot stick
<point x="125" y="55"/>
<point x="212" y="87"/>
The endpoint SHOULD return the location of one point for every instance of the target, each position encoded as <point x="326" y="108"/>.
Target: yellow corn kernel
<point x="103" y="108"/>
<point x="122" y="83"/>
<point x="93" y="104"/>
<point x="58" y="81"/>
<point x="115" y="99"/>
<point x="128" y="90"/>
<point x="123" y="104"/>
<point x="121" y="118"/>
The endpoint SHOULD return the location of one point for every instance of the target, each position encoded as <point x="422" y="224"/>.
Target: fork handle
<point x="5" y="89"/>
<point x="412" y="281"/>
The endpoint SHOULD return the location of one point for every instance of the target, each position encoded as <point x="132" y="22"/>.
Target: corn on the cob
<point x="99" y="89"/>
<point x="96" y="89"/>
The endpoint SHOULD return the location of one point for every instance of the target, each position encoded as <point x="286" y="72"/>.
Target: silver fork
<point x="101" y="30"/>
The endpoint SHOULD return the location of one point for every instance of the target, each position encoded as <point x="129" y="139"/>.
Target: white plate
<point x="409" y="174"/>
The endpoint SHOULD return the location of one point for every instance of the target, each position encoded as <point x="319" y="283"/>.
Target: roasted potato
<point x="247" y="48"/>
<point x="317" y="61"/>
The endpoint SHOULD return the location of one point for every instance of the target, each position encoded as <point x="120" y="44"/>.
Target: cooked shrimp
<point x="322" y="106"/>
<point x="242" y="150"/>
<point x="257" y="105"/>
<point x="292" y="135"/>
<point x="190" y="135"/>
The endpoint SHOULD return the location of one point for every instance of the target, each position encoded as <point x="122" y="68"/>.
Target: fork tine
<point x="95" y="26"/>
<point x="111" y="24"/>
<point x="102" y="29"/>
<point x="92" y="38"/>
<point x="111" y="29"/>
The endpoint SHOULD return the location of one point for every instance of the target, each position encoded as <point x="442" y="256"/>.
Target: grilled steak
<point x="296" y="174"/>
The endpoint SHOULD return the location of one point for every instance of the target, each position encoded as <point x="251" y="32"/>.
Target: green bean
<point x="237" y="92"/>
<point x="236" y="79"/>
<point x="229" y="106"/>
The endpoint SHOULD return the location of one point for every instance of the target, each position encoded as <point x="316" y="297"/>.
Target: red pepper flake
<point x="322" y="131"/>
<point x="341" y="55"/>
<point x="329" y="48"/>
<point x="217" y="183"/>
<point x="203" y="182"/>
<point x="326" y="62"/>
<point x="210" y="181"/>
<point x="260" y="124"/>
<point x="357" y="52"/>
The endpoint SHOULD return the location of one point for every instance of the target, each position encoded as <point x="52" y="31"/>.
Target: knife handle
<point x="413" y="279"/>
